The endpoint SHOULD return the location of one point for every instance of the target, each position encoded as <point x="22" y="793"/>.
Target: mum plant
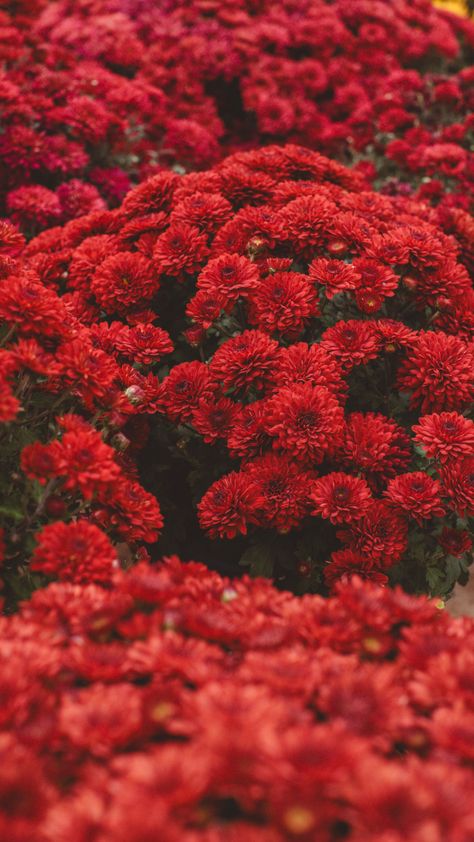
<point x="302" y="406"/>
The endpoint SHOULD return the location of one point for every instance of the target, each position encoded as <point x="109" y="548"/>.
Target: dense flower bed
<point x="184" y="707"/>
<point x="76" y="132"/>
<point x="305" y="392"/>
<point x="95" y="95"/>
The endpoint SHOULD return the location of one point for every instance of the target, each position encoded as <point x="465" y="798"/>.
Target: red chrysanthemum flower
<point x="375" y="445"/>
<point x="180" y="250"/>
<point x="306" y="220"/>
<point x="446" y="436"/>
<point x="381" y="534"/>
<point x="229" y="505"/>
<point x="393" y="335"/>
<point x="346" y="563"/>
<point x="35" y="309"/>
<point x="305" y="421"/>
<point x="335" y="275"/>
<point x="351" y="342"/>
<point x="283" y="303"/>
<point x="9" y="404"/>
<point x="378" y="282"/>
<point x="340" y="497"/>
<point x="11" y="239"/>
<point x="123" y="281"/>
<point x="302" y="363"/>
<point x="417" y="494"/>
<point x="455" y="542"/>
<point x="438" y="372"/>
<point x="152" y="196"/>
<point x="87" y="257"/>
<point x="214" y="419"/>
<point x="34" y="206"/>
<point x="458" y="484"/>
<point x="229" y="276"/>
<point x="283" y="488"/>
<point x="89" y="370"/>
<point x="248" y="436"/>
<point x="186" y="385"/>
<point x="133" y="512"/>
<point x="41" y="461"/>
<point x="74" y="552"/>
<point x="244" y="361"/>
<point x="205" y="308"/>
<point x="144" y="343"/>
<point x="84" y="460"/>
<point x="206" y="211"/>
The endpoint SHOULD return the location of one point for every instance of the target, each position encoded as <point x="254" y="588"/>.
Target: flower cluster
<point x="314" y="407"/>
<point x="96" y="94"/>
<point x="70" y="494"/>
<point x="182" y="706"/>
<point x="77" y="131"/>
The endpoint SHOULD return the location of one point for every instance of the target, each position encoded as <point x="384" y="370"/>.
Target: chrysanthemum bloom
<point x="244" y="361"/>
<point x="340" y="497"/>
<point x="33" y="308"/>
<point x="81" y="458"/>
<point x="438" y="373"/>
<point x="144" y="343"/>
<point x="378" y="283"/>
<point x="351" y="342"/>
<point x="304" y="363"/>
<point x="455" y="542"/>
<point x="77" y="198"/>
<point x="123" y="280"/>
<point x="381" y="534"/>
<point x="283" y="303"/>
<point x="375" y="445"/>
<point x="206" y="211"/>
<point x="335" y="275"/>
<point x="90" y="254"/>
<point x="445" y="436"/>
<point x="130" y="511"/>
<point x="305" y="421"/>
<point x="85" y="461"/>
<point x="11" y="239"/>
<point x="393" y="335"/>
<point x="249" y="436"/>
<point x="88" y="369"/>
<point x="229" y="276"/>
<point x="183" y="389"/>
<point x="34" y="207"/>
<point x="75" y="552"/>
<point x="417" y="494"/>
<point x="284" y="490"/>
<point x="9" y="404"/>
<point x="457" y="480"/>
<point x="229" y="505"/>
<point x="101" y="718"/>
<point x="179" y="250"/>
<point x="305" y="221"/>
<point x="214" y="419"/>
<point x="346" y="563"/>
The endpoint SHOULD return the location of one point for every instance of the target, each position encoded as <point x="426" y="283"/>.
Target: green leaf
<point x="11" y="513"/>
<point x="259" y="559"/>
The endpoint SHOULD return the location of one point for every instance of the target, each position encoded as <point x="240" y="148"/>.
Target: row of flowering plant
<point x="68" y="497"/>
<point x="385" y="84"/>
<point x="75" y="133"/>
<point x="95" y="95"/>
<point x="283" y="359"/>
<point x="181" y="706"/>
